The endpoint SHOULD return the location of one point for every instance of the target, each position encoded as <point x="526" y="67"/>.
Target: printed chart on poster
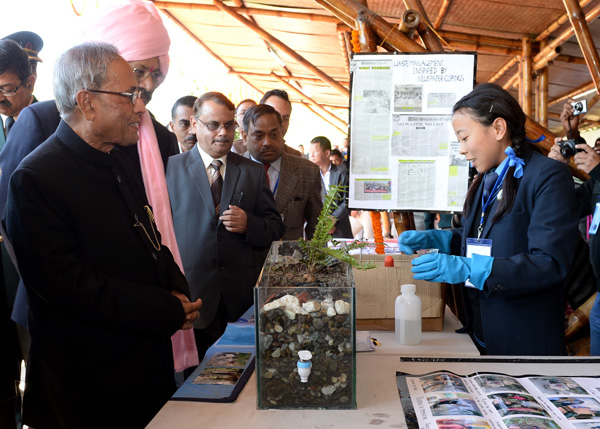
<point x="404" y="153"/>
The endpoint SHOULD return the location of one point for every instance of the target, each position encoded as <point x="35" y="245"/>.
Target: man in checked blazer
<point x="219" y="251"/>
<point x="294" y="181"/>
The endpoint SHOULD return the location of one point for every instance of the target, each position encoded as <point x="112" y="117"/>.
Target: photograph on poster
<point x="408" y="98"/>
<point x="376" y="101"/>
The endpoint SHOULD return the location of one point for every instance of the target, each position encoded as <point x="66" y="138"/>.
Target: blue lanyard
<point x="276" y="183"/>
<point x="485" y="204"/>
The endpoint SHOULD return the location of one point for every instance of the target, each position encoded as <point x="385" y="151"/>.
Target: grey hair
<point x="82" y="67"/>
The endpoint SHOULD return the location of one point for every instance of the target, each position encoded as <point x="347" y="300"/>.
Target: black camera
<point x="568" y="149"/>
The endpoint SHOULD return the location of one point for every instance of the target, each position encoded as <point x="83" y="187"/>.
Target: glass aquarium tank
<point x="305" y="333"/>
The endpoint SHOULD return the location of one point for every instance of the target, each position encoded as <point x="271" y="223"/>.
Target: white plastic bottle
<point x="408" y="317"/>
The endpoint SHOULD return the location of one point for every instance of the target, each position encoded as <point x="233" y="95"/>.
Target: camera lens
<point x="567" y="148"/>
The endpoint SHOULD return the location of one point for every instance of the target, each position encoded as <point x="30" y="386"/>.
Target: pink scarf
<point x="137" y="31"/>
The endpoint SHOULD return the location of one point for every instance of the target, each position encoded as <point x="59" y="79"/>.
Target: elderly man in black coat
<point x="105" y="294"/>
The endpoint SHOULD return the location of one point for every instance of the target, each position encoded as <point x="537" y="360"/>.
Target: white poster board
<point x="403" y="150"/>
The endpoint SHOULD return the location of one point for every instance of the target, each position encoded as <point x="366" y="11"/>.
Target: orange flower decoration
<point x="377" y="232"/>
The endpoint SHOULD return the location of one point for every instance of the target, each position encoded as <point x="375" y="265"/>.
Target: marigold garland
<point x="377" y="232"/>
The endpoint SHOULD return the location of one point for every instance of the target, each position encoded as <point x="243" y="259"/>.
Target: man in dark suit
<point x="280" y="101"/>
<point x="37" y="122"/>
<point x="223" y="213"/>
<point x="105" y="293"/>
<point x="16" y="84"/>
<point x="331" y="174"/>
<point x="294" y="181"/>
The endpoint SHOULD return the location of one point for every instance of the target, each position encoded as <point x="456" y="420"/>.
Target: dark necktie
<point x="9" y="123"/>
<point x="488" y="184"/>
<point x="267" y="166"/>
<point x="216" y="184"/>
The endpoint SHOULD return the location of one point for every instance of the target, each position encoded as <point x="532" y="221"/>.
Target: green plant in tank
<point x="316" y="251"/>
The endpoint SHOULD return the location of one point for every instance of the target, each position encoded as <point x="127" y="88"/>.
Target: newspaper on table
<point x="444" y="400"/>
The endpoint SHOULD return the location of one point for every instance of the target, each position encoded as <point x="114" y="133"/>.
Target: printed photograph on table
<point x="577" y="408"/>
<point x="530" y="423"/>
<point x="465" y="423"/>
<point x="587" y="425"/>
<point x="219" y="375"/>
<point x="492" y="383"/>
<point x="443" y="381"/>
<point x="230" y="359"/>
<point x="453" y="404"/>
<point x="558" y="386"/>
<point x="508" y="404"/>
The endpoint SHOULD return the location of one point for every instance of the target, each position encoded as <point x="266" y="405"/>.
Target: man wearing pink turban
<point x="137" y="31"/>
<point x="145" y="46"/>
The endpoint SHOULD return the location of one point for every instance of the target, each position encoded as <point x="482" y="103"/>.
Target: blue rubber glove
<point x="453" y="269"/>
<point x="411" y="241"/>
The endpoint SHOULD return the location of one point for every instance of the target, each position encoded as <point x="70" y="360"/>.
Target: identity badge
<point x="478" y="246"/>
<point x="595" y="221"/>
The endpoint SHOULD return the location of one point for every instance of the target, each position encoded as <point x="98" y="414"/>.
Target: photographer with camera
<point x="588" y="196"/>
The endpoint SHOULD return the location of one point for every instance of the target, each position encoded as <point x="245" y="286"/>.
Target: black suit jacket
<point x="36" y="124"/>
<point x="338" y="175"/>
<point x="219" y="263"/>
<point x="101" y="311"/>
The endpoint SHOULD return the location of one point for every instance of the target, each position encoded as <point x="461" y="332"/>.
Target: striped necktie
<point x="216" y="184"/>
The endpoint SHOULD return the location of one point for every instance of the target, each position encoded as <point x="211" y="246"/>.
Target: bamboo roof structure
<point x="542" y="51"/>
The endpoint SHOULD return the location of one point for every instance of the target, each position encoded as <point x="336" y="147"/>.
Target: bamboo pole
<point x="570" y="59"/>
<point x="482" y="40"/>
<point x="512" y="81"/>
<point x="476" y="46"/>
<point x="309" y="107"/>
<point x="527" y="76"/>
<point x="279" y="44"/>
<point x="383" y="29"/>
<point x="346" y="19"/>
<point x="504" y="68"/>
<point x="248" y="11"/>
<point x="324" y="111"/>
<point x="543" y="81"/>
<point x="441" y="14"/>
<point x="430" y="39"/>
<point x="548" y="54"/>
<point x="294" y="77"/>
<point x="574" y="93"/>
<point x="348" y="47"/>
<point x="207" y="49"/>
<point x="557" y="24"/>
<point x="344" y="51"/>
<point x="584" y="37"/>
<point x="366" y="37"/>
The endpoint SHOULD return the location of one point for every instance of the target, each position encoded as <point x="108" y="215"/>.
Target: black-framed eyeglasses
<point x="215" y="126"/>
<point x="141" y="75"/>
<point x="13" y="91"/>
<point x="133" y="96"/>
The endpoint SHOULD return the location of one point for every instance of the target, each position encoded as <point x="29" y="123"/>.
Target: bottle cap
<point x="408" y="288"/>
